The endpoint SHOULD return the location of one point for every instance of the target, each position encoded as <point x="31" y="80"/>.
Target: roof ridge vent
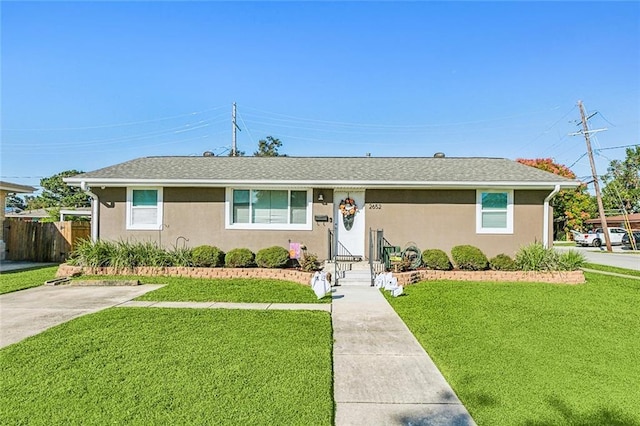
<point x="438" y="155"/>
<point x="208" y="154"/>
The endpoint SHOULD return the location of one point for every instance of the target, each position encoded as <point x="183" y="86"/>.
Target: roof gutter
<point x="95" y="211"/>
<point x="546" y="211"/>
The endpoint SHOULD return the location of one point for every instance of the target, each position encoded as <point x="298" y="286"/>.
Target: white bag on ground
<point x="398" y="291"/>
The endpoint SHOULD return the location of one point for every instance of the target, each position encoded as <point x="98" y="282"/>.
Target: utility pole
<point x="234" y="127"/>
<point x="603" y="219"/>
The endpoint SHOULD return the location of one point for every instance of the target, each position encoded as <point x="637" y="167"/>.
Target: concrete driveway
<point x="28" y="312"/>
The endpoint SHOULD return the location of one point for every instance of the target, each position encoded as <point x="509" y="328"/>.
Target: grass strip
<point x="534" y="354"/>
<point x="19" y="280"/>
<point x="153" y="366"/>
<point x="606" y="268"/>
<point x="239" y="290"/>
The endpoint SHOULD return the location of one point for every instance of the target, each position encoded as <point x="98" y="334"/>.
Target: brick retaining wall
<point x="301" y="277"/>
<point x="404" y="278"/>
<point x="558" y="277"/>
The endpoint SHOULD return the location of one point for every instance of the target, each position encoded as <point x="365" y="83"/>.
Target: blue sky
<point x="88" y="85"/>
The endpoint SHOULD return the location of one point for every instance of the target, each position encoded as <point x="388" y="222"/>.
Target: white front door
<point x="350" y="224"/>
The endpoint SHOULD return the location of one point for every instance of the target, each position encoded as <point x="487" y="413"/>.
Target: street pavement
<point x="619" y="258"/>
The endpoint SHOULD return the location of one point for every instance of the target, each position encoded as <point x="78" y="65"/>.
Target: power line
<point x="104" y="126"/>
<point x="617" y="147"/>
<point x="391" y="126"/>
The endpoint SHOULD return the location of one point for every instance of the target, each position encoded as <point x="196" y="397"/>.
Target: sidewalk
<point x="382" y="376"/>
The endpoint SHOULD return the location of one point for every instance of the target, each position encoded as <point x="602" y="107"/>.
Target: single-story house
<point x="7" y="188"/>
<point x="495" y="204"/>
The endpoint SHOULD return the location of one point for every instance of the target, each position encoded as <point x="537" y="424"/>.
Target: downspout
<point x="545" y="226"/>
<point x="95" y="211"/>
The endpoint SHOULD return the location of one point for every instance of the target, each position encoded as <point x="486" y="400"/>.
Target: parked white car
<point x="596" y="238"/>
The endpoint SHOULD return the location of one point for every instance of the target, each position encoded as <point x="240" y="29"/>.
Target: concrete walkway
<point x="613" y="274"/>
<point x="382" y="376"/>
<point x="228" y="305"/>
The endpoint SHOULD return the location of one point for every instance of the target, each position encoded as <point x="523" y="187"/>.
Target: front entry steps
<point x="354" y="273"/>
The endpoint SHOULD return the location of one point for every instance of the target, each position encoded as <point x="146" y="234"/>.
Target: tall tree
<point x="269" y="147"/>
<point x="56" y="193"/>
<point x="570" y="206"/>
<point x="622" y="183"/>
<point x="15" y="202"/>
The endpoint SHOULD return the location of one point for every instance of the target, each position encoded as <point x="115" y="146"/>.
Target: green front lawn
<point x="534" y="354"/>
<point x="172" y="366"/>
<point x="19" y="280"/>
<point x="240" y="290"/>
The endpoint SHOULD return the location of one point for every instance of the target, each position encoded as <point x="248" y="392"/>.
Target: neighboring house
<point x="495" y="204"/>
<point x="7" y="188"/>
<point x="38" y="214"/>
<point x="618" y="221"/>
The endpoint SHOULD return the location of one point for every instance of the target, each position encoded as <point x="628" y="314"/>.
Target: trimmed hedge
<point x="272" y="257"/>
<point x="436" y="259"/>
<point x="469" y="258"/>
<point x="240" y="258"/>
<point x="207" y="256"/>
<point x="503" y="262"/>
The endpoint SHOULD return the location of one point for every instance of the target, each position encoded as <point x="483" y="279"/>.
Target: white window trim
<point x="145" y="227"/>
<point x="509" y="228"/>
<point x="228" y="212"/>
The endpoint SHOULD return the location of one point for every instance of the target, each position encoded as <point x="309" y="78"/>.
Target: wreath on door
<point x="348" y="208"/>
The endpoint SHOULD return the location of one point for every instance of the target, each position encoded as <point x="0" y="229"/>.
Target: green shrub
<point x="272" y="257"/>
<point x="469" y="258"/>
<point x="503" y="262"/>
<point x="571" y="260"/>
<point x="239" y="258"/>
<point x="535" y="257"/>
<point x="436" y="259"/>
<point x="309" y="262"/>
<point x="207" y="256"/>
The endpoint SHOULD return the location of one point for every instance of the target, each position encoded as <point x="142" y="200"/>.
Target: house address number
<point x="375" y="206"/>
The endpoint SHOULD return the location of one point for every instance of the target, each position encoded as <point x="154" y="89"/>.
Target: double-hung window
<point x="268" y="209"/>
<point x="144" y="208"/>
<point x="494" y="211"/>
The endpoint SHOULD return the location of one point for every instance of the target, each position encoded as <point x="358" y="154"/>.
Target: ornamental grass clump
<point x="503" y="262"/>
<point x="535" y="257"/>
<point x="571" y="260"/>
<point x="91" y="254"/>
<point x="469" y="258"/>
<point x="436" y="259"/>
<point x="272" y="257"/>
<point x="207" y="256"/>
<point x="239" y="258"/>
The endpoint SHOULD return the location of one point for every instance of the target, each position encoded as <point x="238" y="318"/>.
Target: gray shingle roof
<point x="326" y="170"/>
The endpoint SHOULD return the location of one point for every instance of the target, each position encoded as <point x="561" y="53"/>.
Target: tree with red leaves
<point x="571" y="206"/>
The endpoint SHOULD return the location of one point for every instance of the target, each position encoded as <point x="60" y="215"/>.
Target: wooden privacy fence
<point x="42" y="242"/>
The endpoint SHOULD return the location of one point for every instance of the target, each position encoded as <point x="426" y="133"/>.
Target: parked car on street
<point x="626" y="240"/>
<point x="596" y="238"/>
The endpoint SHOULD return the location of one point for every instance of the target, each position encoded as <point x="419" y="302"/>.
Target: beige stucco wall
<point x="446" y="218"/>
<point x="195" y="216"/>
<point x="430" y="218"/>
